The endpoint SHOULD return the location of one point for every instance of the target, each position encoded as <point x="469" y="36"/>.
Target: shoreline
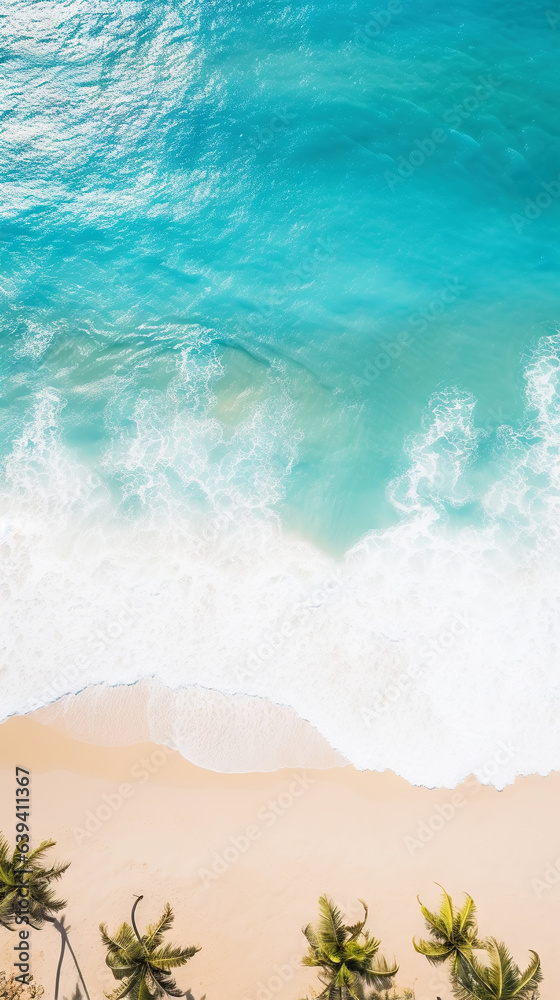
<point x="234" y="732"/>
<point x="243" y="858"/>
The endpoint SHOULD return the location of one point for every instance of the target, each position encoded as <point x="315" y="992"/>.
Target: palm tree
<point x="347" y="956"/>
<point x="26" y="869"/>
<point x="143" y="962"/>
<point x="501" y="979"/>
<point x="455" y="939"/>
<point x="454" y="933"/>
<point x="19" y="869"/>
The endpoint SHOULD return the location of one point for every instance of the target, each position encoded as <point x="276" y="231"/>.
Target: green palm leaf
<point x="171" y="958"/>
<point x="167" y="984"/>
<point x="155" y="932"/>
<point x="356" y="929"/>
<point x="331" y="928"/>
<point x="466" y="918"/>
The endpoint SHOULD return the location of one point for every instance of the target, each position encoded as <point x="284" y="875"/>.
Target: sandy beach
<point x="243" y="858"/>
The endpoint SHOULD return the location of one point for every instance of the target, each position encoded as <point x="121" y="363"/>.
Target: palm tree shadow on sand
<point x="77" y="994"/>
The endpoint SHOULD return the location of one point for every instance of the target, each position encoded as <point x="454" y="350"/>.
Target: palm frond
<point x="167" y="984"/>
<point x="356" y="929"/>
<point x="155" y="932"/>
<point x="331" y="926"/>
<point x="171" y="956"/>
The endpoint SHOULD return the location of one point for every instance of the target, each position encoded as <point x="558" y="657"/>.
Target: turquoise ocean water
<point x="279" y="331"/>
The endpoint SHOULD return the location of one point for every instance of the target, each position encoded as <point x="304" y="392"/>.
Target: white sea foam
<point x="428" y="649"/>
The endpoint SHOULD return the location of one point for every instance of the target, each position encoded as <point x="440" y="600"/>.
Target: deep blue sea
<point x="279" y="362"/>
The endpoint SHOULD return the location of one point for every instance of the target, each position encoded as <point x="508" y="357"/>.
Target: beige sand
<point x="298" y="834"/>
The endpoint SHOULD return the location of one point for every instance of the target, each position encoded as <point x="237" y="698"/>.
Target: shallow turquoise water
<point x="227" y="177"/>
